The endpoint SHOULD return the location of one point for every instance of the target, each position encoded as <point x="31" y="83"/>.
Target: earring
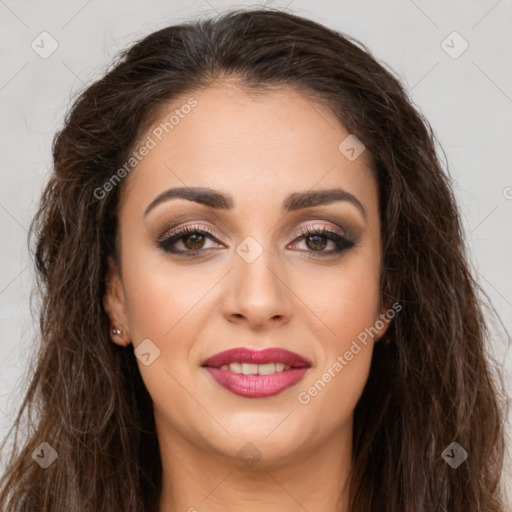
<point x="116" y="332"/>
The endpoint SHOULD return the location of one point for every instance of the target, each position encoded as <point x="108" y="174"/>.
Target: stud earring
<point x="116" y="332"/>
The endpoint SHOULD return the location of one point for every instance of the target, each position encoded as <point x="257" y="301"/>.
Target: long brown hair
<point x="432" y="381"/>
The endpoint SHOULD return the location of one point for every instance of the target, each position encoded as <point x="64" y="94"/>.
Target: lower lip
<point x="257" y="386"/>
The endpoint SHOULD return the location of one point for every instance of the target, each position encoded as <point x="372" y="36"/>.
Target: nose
<point x="257" y="294"/>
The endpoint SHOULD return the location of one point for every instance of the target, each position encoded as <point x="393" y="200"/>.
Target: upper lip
<point x="247" y="355"/>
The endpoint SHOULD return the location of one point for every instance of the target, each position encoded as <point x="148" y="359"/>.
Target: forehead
<point x="259" y="147"/>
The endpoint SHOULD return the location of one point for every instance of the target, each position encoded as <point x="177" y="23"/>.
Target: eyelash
<point x="165" y="243"/>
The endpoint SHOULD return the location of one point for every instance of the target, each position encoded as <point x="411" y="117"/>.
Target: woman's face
<point x="254" y="280"/>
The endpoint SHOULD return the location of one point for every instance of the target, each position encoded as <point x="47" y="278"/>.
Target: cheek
<point x="165" y="305"/>
<point x="346" y="307"/>
<point x="158" y="295"/>
<point x="171" y="305"/>
<point x="344" y="299"/>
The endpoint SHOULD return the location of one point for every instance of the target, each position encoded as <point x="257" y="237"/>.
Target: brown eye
<point x="317" y="239"/>
<point x="316" y="242"/>
<point x="192" y="240"/>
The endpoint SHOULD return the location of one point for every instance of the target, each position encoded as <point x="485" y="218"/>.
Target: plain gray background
<point x="465" y="95"/>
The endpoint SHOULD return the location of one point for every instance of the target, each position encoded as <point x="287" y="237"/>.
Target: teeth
<point x="256" y="369"/>
<point x="249" y="369"/>
<point x="236" y="367"/>
<point x="266" y="369"/>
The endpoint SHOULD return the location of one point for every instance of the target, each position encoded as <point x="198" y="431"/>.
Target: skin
<point x="258" y="149"/>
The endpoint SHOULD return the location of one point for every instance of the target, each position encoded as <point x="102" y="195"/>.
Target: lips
<point x="238" y="371"/>
<point x="268" y="355"/>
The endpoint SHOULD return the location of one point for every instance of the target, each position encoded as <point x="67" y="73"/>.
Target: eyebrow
<point x="218" y="200"/>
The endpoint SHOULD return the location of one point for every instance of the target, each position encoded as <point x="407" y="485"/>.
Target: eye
<point x="316" y="239"/>
<point x="193" y="239"/>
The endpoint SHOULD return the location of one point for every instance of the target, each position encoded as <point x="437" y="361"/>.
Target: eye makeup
<point x="193" y="237"/>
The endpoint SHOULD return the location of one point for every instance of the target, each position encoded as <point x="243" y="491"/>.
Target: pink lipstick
<point x="257" y="373"/>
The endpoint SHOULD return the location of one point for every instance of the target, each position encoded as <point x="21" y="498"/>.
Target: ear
<point x="385" y="317"/>
<point x="114" y="304"/>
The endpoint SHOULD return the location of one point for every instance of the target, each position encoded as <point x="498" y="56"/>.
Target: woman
<point x="256" y="294"/>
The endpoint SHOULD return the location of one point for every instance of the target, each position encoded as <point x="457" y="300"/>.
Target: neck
<point x="198" y="479"/>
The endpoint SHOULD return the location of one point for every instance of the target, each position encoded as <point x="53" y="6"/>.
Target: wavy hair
<point x="432" y="380"/>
